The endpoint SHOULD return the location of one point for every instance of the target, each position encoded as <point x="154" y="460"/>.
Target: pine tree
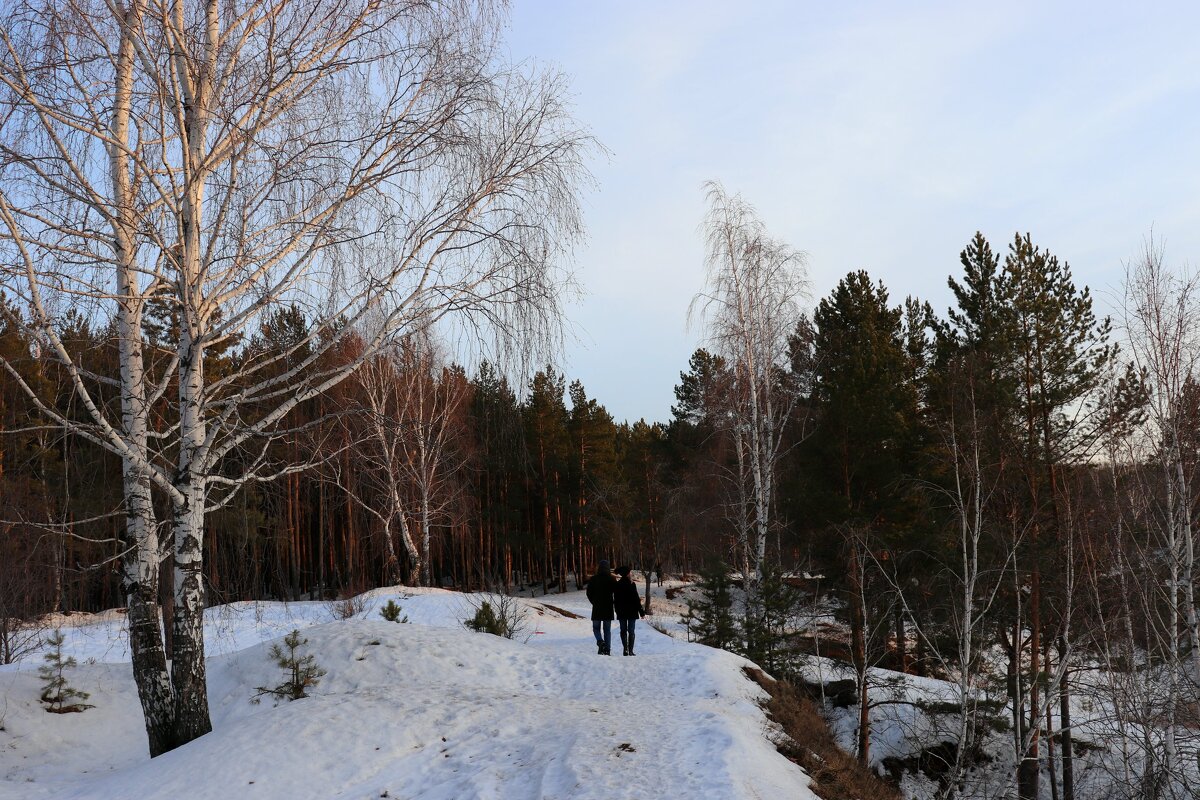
<point x="864" y="444"/>
<point x="57" y="692"/>
<point x="549" y="444"/>
<point x="391" y="612"/>
<point x="487" y="621"/>
<point x="301" y="669"/>
<point x="1028" y="343"/>
<point x="593" y="474"/>
<point x="765" y="626"/>
<point x="709" y="618"/>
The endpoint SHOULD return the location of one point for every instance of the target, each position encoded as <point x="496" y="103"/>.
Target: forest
<point x="282" y="294"/>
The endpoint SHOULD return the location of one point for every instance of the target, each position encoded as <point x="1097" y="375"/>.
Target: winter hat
<point x="623" y="571"/>
<point x="603" y="563"/>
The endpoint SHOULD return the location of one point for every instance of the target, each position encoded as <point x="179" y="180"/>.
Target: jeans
<point x="607" y="625"/>
<point x="627" y="625"/>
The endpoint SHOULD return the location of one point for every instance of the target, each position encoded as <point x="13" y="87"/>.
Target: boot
<point x="624" y="644"/>
<point x="607" y="649"/>
<point x="599" y="648"/>
<point x="630" y="651"/>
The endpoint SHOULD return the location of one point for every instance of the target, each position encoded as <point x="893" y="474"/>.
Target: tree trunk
<point x="188" y="666"/>
<point x="426" y="577"/>
<point x="140" y="572"/>
<point x="858" y="632"/>
<point x="1029" y="774"/>
<point x="1067" y="749"/>
<point x="1050" y="766"/>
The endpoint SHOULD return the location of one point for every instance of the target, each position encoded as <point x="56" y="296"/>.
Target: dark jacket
<point x="625" y="599"/>
<point x="600" y="592"/>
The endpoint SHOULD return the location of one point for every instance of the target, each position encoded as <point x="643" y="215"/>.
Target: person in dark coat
<point x="628" y="606"/>
<point x="600" y="593"/>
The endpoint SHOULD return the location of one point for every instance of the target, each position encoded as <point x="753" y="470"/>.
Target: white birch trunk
<point x="140" y="569"/>
<point x="188" y="669"/>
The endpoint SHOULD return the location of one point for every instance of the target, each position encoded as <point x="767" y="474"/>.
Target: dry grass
<point x="836" y="774"/>
<point x="562" y="612"/>
<point x="674" y="591"/>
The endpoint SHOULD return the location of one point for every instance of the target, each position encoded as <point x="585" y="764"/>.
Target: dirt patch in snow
<point x="835" y="774"/>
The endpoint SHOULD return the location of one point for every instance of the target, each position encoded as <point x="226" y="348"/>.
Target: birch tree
<point x="375" y="164"/>
<point x="750" y="307"/>
<point x="414" y="406"/>
<point x="1160" y="320"/>
<point x="432" y="422"/>
<point x="74" y="162"/>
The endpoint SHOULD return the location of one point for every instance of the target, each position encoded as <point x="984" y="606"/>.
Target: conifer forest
<point x="283" y="291"/>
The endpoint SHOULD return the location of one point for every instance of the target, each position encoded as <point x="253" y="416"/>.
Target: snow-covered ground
<point x="422" y="710"/>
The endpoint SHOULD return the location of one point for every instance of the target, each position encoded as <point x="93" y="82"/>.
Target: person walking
<point x="600" y="593"/>
<point x="628" y="606"/>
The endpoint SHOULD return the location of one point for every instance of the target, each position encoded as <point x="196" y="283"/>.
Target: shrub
<point x="57" y="692"/>
<point x="348" y="607"/>
<point x="499" y="615"/>
<point x="486" y="621"/>
<point x="391" y="612"/>
<point x="302" y="670"/>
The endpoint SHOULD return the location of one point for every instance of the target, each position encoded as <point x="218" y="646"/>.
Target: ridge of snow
<point x="432" y="711"/>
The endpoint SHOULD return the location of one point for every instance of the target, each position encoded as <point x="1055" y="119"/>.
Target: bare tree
<point x="431" y="418"/>
<point x="74" y="162"/>
<point x="384" y="475"/>
<point x="413" y="404"/>
<point x="378" y="166"/>
<point x="751" y="306"/>
<point x="1156" y="662"/>
<point x="1162" y="322"/>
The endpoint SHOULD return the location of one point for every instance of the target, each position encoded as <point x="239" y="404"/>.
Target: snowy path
<point x="426" y="710"/>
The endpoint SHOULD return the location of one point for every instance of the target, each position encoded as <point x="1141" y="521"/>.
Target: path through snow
<point x="425" y="710"/>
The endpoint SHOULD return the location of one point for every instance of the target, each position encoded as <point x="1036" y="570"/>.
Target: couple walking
<point x="608" y="595"/>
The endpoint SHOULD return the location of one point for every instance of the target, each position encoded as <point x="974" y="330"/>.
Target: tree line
<point x="416" y="472"/>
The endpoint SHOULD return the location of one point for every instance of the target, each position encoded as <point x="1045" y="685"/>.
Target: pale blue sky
<point x="873" y="135"/>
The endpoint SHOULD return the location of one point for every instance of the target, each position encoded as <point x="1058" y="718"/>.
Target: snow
<point x="424" y="710"/>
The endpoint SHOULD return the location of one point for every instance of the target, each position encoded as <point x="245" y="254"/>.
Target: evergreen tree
<point x="548" y="442"/>
<point x="766" y="624"/>
<point x="1027" y="341"/>
<point x="302" y="669"/>
<point x="866" y="439"/>
<point x="643" y="453"/>
<point x="391" y="612"/>
<point x="501" y="460"/>
<point x="594" y="475"/>
<point x="709" y="618"/>
<point x="868" y="412"/>
<point x="57" y="692"/>
<point x="486" y="621"/>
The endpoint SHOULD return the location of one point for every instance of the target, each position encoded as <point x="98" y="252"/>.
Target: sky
<point x="871" y="135"/>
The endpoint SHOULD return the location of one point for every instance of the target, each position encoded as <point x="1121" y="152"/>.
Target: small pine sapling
<point x="765" y="626"/>
<point x="302" y="669"/>
<point x="391" y="612"/>
<point x="499" y="615"/>
<point x="709" y="618"/>
<point x="486" y="621"/>
<point x="57" y="692"/>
